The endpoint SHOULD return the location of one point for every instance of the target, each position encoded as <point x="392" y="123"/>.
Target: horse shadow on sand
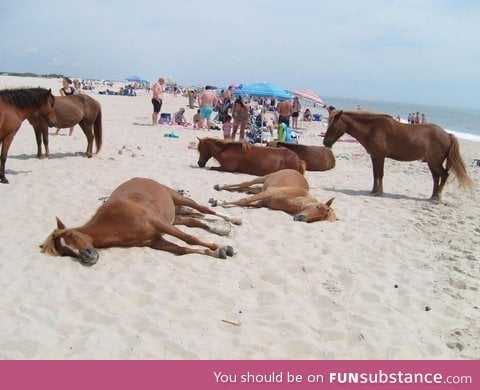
<point x="368" y="194"/>
<point x="25" y="156"/>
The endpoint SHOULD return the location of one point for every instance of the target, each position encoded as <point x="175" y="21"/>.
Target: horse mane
<point x="366" y="113"/>
<point x="48" y="246"/>
<point x="25" y="98"/>
<point x="226" y="143"/>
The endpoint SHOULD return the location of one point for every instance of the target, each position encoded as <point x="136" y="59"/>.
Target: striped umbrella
<point x="309" y="95"/>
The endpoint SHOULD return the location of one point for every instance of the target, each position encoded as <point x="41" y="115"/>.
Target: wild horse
<point x="16" y="105"/>
<point x="71" y="110"/>
<point x="285" y="190"/>
<point x="246" y="158"/>
<point x="382" y="137"/>
<point x="137" y="214"/>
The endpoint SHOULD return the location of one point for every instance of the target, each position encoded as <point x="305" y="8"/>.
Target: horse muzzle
<point x="300" y="218"/>
<point x="52" y="123"/>
<point x="327" y="143"/>
<point x="89" y="256"/>
<point x="201" y="164"/>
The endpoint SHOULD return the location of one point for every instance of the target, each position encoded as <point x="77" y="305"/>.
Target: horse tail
<point x="97" y="129"/>
<point x="303" y="166"/>
<point x="455" y="162"/>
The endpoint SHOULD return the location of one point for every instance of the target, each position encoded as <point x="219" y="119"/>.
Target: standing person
<point x="157" y="99"/>
<point x="240" y="118"/>
<point x="191" y="98"/>
<point x="66" y="90"/>
<point x="207" y="100"/>
<point x="284" y="109"/>
<point x="227" y="127"/>
<point x="295" y="112"/>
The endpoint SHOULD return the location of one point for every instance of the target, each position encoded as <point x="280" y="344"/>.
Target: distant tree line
<point x="29" y="74"/>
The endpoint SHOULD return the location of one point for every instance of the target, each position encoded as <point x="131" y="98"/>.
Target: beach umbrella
<point x="263" y="90"/>
<point x="309" y="95"/>
<point x="134" y="78"/>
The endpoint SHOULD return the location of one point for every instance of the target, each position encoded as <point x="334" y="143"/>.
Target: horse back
<point x="317" y="158"/>
<point x="262" y="160"/>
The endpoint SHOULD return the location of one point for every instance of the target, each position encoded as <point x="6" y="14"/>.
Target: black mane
<point x="25" y="98"/>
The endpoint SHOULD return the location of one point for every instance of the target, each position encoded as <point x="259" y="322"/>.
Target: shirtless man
<point x="207" y="100"/>
<point x="284" y="109"/>
<point x="157" y="99"/>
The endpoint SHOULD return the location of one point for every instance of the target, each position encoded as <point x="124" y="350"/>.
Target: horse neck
<point x="358" y="125"/>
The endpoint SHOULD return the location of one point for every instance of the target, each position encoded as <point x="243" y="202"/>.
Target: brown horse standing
<point x="71" y="110"/>
<point x="15" y="106"/>
<point x="317" y="158"/>
<point x="137" y="214"/>
<point x="382" y="137"/>
<point x="285" y="190"/>
<point x="246" y="158"/>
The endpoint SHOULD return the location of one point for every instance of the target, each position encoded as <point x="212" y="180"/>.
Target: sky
<point x="413" y="51"/>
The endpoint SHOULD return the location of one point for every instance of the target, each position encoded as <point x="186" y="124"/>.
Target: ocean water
<point x="464" y="123"/>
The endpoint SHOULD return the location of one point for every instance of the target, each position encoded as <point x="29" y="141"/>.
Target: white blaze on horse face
<point x="69" y="247"/>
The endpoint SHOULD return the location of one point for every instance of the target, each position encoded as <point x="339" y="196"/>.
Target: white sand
<point x="354" y="289"/>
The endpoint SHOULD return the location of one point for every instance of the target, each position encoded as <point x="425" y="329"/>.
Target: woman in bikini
<point x="240" y="118"/>
<point x="66" y="90"/>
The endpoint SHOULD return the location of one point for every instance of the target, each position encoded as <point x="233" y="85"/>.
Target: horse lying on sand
<point x="317" y="158"/>
<point x="382" y="136"/>
<point x="70" y="110"/>
<point x="285" y="190"/>
<point x="246" y="158"/>
<point x="137" y="214"/>
<point x="15" y="106"/>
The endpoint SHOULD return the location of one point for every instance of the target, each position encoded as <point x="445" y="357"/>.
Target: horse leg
<point x="165" y="245"/>
<point x="257" y="200"/>
<point x="378" y="164"/>
<point x="195" y="222"/>
<point x="243" y="187"/>
<point x="213" y="250"/>
<point x="45" y="142"/>
<point x="88" y="131"/>
<point x="180" y="200"/>
<point x="38" y="139"/>
<point x="440" y="176"/>
<point x="3" y="157"/>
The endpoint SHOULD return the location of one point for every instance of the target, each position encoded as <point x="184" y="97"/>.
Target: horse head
<point x="47" y="110"/>
<point x="317" y="212"/>
<point x="70" y="242"/>
<point x="336" y="128"/>
<point x="204" y="151"/>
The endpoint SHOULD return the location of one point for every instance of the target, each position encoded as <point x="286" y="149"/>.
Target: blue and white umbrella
<point x="263" y="90"/>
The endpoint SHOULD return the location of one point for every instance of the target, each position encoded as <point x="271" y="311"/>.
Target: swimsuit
<point x="157" y="105"/>
<point x="206" y="112"/>
<point x="284" y="119"/>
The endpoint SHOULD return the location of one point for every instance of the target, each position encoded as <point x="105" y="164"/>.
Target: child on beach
<point x="227" y="127"/>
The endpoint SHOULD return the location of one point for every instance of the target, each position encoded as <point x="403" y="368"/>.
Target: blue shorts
<point x="206" y="112"/>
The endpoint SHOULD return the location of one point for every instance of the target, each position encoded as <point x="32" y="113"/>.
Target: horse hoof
<point x="4" y="180"/>
<point x="216" y="187"/>
<point x="229" y="250"/>
<point x="213" y="202"/>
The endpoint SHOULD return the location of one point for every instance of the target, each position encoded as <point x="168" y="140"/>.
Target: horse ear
<point x="329" y="203"/>
<point x="60" y="224"/>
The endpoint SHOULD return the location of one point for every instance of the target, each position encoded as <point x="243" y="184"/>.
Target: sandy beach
<point x="395" y="277"/>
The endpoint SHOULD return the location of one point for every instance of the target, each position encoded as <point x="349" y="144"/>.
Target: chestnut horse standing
<point x="15" y="106"/>
<point x="382" y="136"/>
<point x="246" y="158"/>
<point x="71" y="110"/>
<point x="285" y="190"/>
<point x="317" y="158"/>
<point x="137" y="214"/>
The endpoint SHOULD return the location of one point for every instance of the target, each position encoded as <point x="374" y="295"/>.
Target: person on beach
<point x="307" y="115"/>
<point x="227" y="127"/>
<point x="157" y="99"/>
<point x="295" y="112"/>
<point x="179" y="117"/>
<point x="66" y="90"/>
<point x="207" y="100"/>
<point x="198" y="121"/>
<point x="284" y="109"/>
<point x="191" y="98"/>
<point x="240" y="118"/>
